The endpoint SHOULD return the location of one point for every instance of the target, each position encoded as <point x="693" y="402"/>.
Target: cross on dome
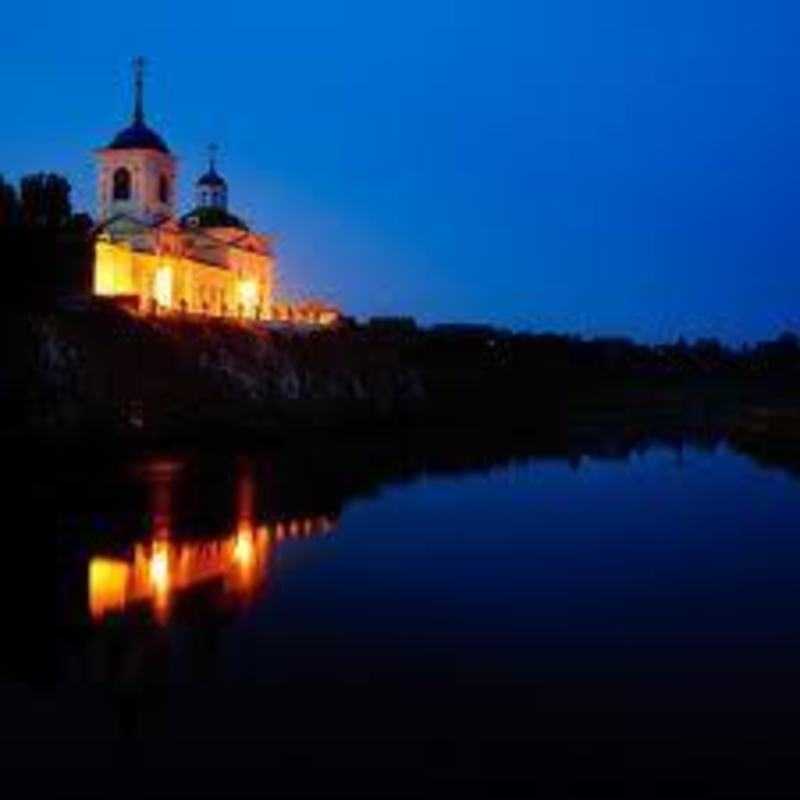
<point x="138" y="136"/>
<point x="138" y="82"/>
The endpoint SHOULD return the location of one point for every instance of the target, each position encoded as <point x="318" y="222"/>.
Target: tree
<point x="788" y="340"/>
<point x="81" y="223"/>
<point x="9" y="206"/>
<point x="710" y="347"/>
<point x="44" y="201"/>
<point x="51" y="248"/>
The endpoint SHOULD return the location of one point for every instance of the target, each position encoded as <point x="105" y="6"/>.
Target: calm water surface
<point x="230" y="598"/>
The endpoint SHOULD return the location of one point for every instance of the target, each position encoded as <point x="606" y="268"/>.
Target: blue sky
<point x="606" y="167"/>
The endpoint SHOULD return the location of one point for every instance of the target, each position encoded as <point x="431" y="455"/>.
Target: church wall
<point x="254" y="277"/>
<point x="171" y="282"/>
<point x="113" y="271"/>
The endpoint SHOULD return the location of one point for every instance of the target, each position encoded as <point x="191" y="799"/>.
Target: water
<point x="225" y="602"/>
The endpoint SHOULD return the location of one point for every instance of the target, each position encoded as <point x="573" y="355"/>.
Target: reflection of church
<point x="232" y="565"/>
<point x="161" y="569"/>
<point x="205" y="262"/>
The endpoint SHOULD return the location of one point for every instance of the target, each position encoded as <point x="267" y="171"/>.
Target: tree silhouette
<point x="47" y="247"/>
<point x="9" y="206"/>
<point x="44" y="201"/>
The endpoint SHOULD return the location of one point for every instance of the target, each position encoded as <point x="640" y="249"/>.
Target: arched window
<point x="122" y="184"/>
<point x="163" y="189"/>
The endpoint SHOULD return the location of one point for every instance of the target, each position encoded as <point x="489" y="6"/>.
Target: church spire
<point x="138" y="82"/>
<point x="212" y="158"/>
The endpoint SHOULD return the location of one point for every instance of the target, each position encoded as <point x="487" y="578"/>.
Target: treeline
<point x="45" y="247"/>
<point x="502" y="359"/>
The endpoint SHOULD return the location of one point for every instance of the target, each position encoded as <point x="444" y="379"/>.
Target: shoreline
<point x="101" y="379"/>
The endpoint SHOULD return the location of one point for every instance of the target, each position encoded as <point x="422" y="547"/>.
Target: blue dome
<point x="138" y="137"/>
<point x="211" y="178"/>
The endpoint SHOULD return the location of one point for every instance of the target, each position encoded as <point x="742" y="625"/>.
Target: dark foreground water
<point x="378" y="621"/>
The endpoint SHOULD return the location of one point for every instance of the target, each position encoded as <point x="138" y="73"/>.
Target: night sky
<point x="601" y="167"/>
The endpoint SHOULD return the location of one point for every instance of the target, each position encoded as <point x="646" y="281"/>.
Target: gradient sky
<point x="597" y="167"/>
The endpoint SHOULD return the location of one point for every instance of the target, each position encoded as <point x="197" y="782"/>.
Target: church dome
<point x="212" y="179"/>
<point x="138" y="137"/>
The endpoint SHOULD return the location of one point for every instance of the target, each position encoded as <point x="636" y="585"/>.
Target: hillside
<point x="94" y="369"/>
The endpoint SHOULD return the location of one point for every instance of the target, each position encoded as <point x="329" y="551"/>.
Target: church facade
<point x="205" y="262"/>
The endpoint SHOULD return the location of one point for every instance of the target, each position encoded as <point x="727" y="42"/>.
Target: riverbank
<point x="94" y="375"/>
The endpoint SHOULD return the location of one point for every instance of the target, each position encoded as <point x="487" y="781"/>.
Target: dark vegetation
<point x="92" y="367"/>
<point x="46" y="248"/>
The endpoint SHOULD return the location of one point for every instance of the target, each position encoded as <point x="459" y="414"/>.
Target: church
<point x="149" y="259"/>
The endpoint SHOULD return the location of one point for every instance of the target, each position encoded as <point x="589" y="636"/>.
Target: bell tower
<point x="136" y="171"/>
<point x="211" y="190"/>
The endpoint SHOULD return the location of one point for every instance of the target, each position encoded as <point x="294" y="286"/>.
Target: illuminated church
<point x="152" y="260"/>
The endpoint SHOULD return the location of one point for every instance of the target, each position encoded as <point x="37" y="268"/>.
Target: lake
<point x="405" y="617"/>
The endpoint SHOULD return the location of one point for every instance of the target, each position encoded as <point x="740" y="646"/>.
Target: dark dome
<point x="211" y="178"/>
<point x="138" y="137"/>
<point x="211" y="217"/>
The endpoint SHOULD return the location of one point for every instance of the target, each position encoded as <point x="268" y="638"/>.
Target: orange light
<point x="160" y="579"/>
<point x="161" y="568"/>
<point x="244" y="551"/>
<point x="248" y="295"/>
<point x="162" y="287"/>
<point x="108" y="585"/>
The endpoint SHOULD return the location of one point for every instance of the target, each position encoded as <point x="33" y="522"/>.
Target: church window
<point x="163" y="189"/>
<point x="122" y="184"/>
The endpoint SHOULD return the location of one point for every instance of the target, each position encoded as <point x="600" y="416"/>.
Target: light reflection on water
<point x="160" y="568"/>
<point x="157" y="569"/>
